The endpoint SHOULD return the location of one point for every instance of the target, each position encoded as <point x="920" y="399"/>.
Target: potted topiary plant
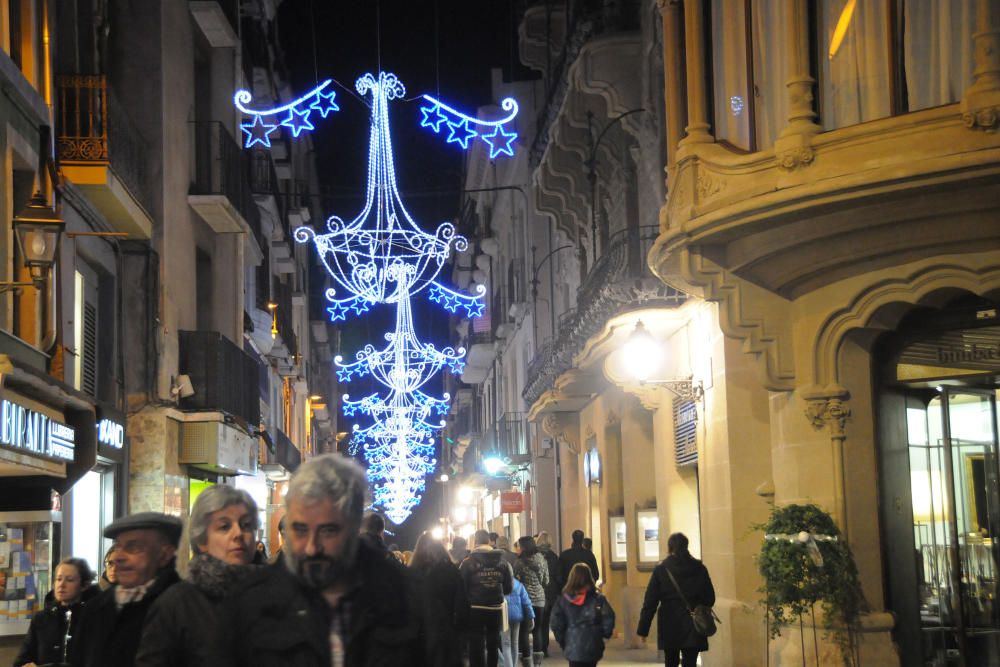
<point x="805" y="561"/>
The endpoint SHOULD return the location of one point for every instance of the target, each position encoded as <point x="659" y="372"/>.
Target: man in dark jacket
<point x="578" y="554"/>
<point x="487" y="580"/>
<point x="373" y="535"/>
<point x="332" y="600"/>
<point x="145" y="546"/>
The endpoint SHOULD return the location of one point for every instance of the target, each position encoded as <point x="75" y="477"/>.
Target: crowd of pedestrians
<point x="334" y="594"/>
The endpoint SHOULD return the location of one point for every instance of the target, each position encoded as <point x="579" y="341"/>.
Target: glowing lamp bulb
<point x="437" y="532"/>
<point x="642" y="353"/>
<point x="465" y="495"/>
<point x="37" y="244"/>
<point x="460" y="514"/>
<point x="493" y="465"/>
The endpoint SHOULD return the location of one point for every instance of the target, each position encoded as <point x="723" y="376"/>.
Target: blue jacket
<point x="519" y="604"/>
<point x="581" y="629"/>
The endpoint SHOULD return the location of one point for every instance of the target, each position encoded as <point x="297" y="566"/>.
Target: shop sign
<point x="111" y="433"/>
<point x="511" y="502"/>
<point x="34" y="432"/>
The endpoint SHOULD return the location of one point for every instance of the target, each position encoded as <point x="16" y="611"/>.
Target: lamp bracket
<point x="687" y="390"/>
<point x="16" y="286"/>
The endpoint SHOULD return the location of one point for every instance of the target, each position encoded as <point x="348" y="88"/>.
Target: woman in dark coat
<point x="582" y="619"/>
<point x="183" y="625"/>
<point x="45" y="642"/>
<point x="676" y="634"/>
<point x="441" y="598"/>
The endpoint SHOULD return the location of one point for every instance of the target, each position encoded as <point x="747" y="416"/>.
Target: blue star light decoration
<point x="462" y="128"/>
<point x="294" y="115"/>
<point x="383" y="257"/>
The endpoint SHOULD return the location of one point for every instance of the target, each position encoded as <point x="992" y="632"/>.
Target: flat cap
<point x="170" y="526"/>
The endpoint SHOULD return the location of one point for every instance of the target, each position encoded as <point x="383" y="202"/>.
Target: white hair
<point x="210" y="501"/>
<point x="331" y="477"/>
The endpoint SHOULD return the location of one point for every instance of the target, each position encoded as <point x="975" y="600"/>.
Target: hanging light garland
<point x="383" y="256"/>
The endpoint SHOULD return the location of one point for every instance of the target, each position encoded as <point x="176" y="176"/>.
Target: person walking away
<point x="111" y="627"/>
<point x="182" y="626"/>
<point x="519" y="614"/>
<point x="459" y="550"/>
<point x="578" y="554"/>
<point x="582" y="619"/>
<point x="487" y="580"/>
<point x="49" y="639"/>
<point x="506" y="555"/>
<point x="331" y="600"/>
<point x="676" y="637"/>
<point x="373" y="535"/>
<point x="552" y="591"/>
<point x="441" y="597"/>
<point x="532" y="571"/>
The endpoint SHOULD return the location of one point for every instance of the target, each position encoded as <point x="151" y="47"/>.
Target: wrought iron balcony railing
<point x="618" y="281"/>
<point x="94" y="128"/>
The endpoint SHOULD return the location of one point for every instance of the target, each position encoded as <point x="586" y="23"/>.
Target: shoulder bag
<point x="702" y="615"/>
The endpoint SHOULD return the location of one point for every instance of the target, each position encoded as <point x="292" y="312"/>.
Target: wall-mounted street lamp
<point x="38" y="229"/>
<point x="643" y="356"/>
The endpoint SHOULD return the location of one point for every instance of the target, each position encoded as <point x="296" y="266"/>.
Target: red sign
<point x="511" y="502"/>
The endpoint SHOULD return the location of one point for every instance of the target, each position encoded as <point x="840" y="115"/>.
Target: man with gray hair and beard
<point x="329" y="600"/>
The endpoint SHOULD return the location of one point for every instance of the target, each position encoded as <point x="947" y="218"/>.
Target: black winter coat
<point x="674" y="625"/>
<point x="445" y="610"/>
<point x="574" y="555"/>
<point x="109" y="637"/>
<point x="275" y="620"/>
<point x="183" y="625"/>
<point x="44" y="642"/>
<point x="487" y="578"/>
<point x="556" y="577"/>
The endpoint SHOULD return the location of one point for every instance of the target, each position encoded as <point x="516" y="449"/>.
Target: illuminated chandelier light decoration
<point x="383" y="256"/>
<point x="294" y="115"/>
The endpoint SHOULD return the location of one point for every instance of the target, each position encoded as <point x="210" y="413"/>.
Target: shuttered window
<point x="88" y="366"/>
<point x="685" y="432"/>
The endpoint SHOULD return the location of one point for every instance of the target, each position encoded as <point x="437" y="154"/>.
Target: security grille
<point x="685" y="432"/>
<point x="89" y="363"/>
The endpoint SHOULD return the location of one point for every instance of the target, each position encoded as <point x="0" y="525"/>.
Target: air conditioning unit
<point x="218" y="448"/>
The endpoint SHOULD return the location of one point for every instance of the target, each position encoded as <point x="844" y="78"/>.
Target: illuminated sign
<point x="111" y="433"/>
<point x="34" y="432"/>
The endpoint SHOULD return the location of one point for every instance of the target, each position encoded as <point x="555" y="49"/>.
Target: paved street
<point x="616" y="654"/>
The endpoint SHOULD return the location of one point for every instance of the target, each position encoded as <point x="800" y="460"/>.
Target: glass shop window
<point x="767" y="55"/>
<point x="730" y="76"/>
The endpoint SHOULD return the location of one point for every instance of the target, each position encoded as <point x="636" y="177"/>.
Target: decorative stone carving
<point x="831" y="411"/>
<point x="795" y="157"/>
<point x="613" y="417"/>
<point x="707" y="186"/>
<point x="982" y="119"/>
<point x="554" y="427"/>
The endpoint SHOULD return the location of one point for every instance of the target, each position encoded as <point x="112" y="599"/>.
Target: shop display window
<point x="28" y="541"/>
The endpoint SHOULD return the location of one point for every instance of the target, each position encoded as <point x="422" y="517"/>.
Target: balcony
<point x="481" y="352"/>
<point x="220" y="192"/>
<point x="510" y="437"/>
<point x="218" y="21"/>
<point x="102" y="152"/>
<point x="225" y="377"/>
<point x="619" y="282"/>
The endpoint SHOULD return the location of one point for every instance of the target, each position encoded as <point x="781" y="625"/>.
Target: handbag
<point x="702" y="615"/>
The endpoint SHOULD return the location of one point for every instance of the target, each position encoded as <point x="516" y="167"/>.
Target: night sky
<point x="442" y="47"/>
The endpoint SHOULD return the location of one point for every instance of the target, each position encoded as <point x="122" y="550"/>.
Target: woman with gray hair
<point x="183" y="625"/>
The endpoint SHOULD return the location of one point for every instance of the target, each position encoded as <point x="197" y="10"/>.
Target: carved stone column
<point x="981" y="102"/>
<point x="828" y="408"/>
<point x="793" y="147"/>
<point x="670" y="12"/>
<point x="697" y="97"/>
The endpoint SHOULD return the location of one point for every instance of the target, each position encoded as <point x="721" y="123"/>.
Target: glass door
<point x="956" y="522"/>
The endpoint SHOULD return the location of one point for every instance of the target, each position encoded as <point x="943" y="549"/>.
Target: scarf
<point x="124" y="596"/>
<point x="578" y="599"/>
<point x="215" y="578"/>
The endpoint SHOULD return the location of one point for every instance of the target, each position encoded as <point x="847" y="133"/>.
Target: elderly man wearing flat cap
<point x="144" y="560"/>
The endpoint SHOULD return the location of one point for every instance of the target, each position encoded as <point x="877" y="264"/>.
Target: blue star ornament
<point x="500" y="141"/>
<point x="298" y="121"/>
<point x="475" y="309"/>
<point x="258" y="132"/>
<point x="432" y="117"/>
<point x="325" y="103"/>
<point x="461" y="133"/>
